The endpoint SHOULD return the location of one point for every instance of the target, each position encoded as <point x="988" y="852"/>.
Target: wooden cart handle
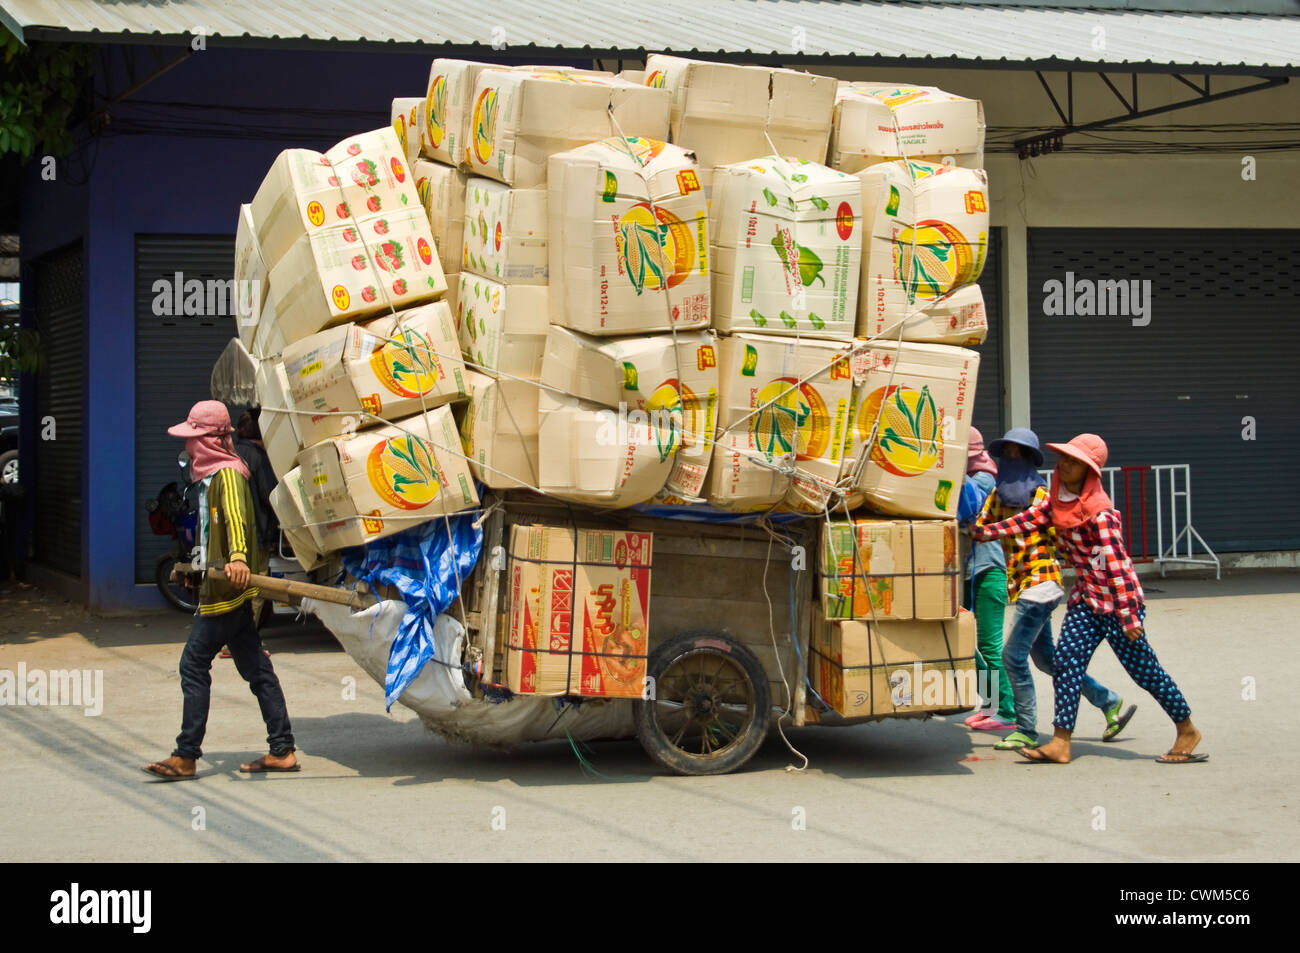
<point x="288" y="590"/>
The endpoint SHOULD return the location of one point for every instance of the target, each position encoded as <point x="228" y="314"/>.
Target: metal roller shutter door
<point x="989" y="388"/>
<point x="60" y="395"/>
<point x="1221" y="346"/>
<point x="174" y="357"/>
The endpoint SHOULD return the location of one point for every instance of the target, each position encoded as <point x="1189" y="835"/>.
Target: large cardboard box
<point x="592" y="454"/>
<point x="927" y="237"/>
<point x="289" y="501"/>
<point x="782" y="403"/>
<point x="727" y="113"/>
<point x="886" y="570"/>
<point x="500" y="432"/>
<point x="305" y="191"/>
<point x="864" y="669"/>
<point x="505" y="233"/>
<point x="923" y="395"/>
<point x="380" y="263"/>
<point x="407" y="117"/>
<point x="442" y="191"/>
<point x="449" y="104"/>
<point x="679" y="385"/>
<point x="628" y="238"/>
<point x="519" y="119"/>
<point x="579" y="611"/>
<point x="877" y="122"/>
<point x="786" y="239"/>
<point x="380" y="482"/>
<point x="250" y="279"/>
<point x="958" y="318"/>
<point x="502" y="328"/>
<point x="278" y="420"/>
<point x="344" y="378"/>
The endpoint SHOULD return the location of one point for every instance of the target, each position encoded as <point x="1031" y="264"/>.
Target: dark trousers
<point x="208" y="634"/>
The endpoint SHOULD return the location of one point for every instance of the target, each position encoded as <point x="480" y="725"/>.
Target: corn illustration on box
<point x="442" y="193"/>
<point x="579" y="611"/>
<point x="407" y="117"/>
<point x="787" y="247"/>
<point x="502" y="328"/>
<point x="628" y="239"/>
<point x="449" y="103"/>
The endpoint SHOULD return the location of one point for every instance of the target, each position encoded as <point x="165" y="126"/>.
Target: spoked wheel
<point x="710" y="705"/>
<point x="177" y="596"/>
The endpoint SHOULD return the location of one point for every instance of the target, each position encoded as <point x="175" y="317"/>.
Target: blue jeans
<point x="207" y="635"/>
<point x="1031" y="637"/>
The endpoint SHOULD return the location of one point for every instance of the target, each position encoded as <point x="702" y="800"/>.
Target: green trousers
<point x="990" y="604"/>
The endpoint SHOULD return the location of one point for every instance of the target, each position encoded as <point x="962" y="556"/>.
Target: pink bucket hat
<point x="206" y="417"/>
<point x="1087" y="448"/>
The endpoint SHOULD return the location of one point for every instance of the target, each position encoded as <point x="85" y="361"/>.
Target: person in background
<point x="1105" y="603"/>
<point x="249" y="446"/>
<point x="986" y="594"/>
<point x="1034" y="586"/>
<point x="227" y="538"/>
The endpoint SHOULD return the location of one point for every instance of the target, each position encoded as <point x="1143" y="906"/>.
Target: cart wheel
<point x="177" y="596"/>
<point x="711" y="704"/>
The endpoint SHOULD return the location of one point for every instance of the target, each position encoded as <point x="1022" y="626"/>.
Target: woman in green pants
<point x="987" y="594"/>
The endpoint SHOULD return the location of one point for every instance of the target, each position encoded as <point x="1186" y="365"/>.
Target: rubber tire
<point x="161" y="575"/>
<point x="9" y="456"/>
<point x="660" y="748"/>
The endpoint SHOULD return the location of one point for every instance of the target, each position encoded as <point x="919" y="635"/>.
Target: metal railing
<point x="1166" y="479"/>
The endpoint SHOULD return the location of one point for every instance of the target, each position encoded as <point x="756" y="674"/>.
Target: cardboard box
<point x="927" y="237"/>
<point x="343" y="378"/>
<point x="380" y="482"/>
<point x="595" y="455"/>
<point x="628" y="239"/>
<point x="958" y="318"/>
<point x="500" y="432"/>
<point x="642" y="373"/>
<point x="305" y="191"/>
<point x="278" y="420"/>
<point x="250" y="278"/>
<point x="877" y="122"/>
<point x="786" y="240"/>
<point x="782" y="403"/>
<point x="918" y="461"/>
<point x="579" y="611"/>
<point x="289" y="502"/>
<point x="442" y="191"/>
<point x="380" y="263"/>
<point x="864" y="669"/>
<point x="449" y="103"/>
<point x="519" y="120"/>
<point x="502" y="328"/>
<point x="505" y="233"/>
<point x="725" y="113"/>
<point x="887" y="570"/>
<point x="407" y="117"/>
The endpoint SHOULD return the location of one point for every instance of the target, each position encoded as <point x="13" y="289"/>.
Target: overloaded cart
<point x="640" y="402"/>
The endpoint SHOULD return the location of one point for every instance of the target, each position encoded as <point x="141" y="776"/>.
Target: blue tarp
<point x="423" y="564"/>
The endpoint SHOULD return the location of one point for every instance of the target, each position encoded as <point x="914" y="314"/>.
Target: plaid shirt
<point x="1107" y="581"/>
<point x="1031" y="555"/>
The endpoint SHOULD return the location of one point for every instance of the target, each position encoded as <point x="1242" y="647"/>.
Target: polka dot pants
<point x="1080" y="637"/>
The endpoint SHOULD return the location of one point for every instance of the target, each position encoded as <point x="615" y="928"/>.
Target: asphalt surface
<point x="379" y="787"/>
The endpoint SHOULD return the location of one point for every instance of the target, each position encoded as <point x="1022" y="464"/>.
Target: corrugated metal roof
<point x="792" y="31"/>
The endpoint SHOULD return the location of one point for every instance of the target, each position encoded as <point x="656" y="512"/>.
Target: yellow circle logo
<point x="341" y="297"/>
<point x="485" y="125"/>
<point x="403" y="472"/>
<point x="932" y="259"/>
<point x="909" y="440"/>
<point x="315" y="213"/>
<point x="654" y="247"/>
<point x="407" y="365"/>
<point x="791" y="418"/>
<point x="436" y="110"/>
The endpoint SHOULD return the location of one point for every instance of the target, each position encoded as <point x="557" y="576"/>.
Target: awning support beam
<point x="1048" y="142"/>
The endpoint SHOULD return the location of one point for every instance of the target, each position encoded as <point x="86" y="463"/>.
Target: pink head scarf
<point x="207" y="440"/>
<point x="977" y="458"/>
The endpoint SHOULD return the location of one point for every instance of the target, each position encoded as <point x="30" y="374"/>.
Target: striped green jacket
<point x="231" y="535"/>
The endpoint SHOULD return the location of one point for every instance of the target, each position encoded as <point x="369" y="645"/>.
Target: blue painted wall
<point x="178" y="156"/>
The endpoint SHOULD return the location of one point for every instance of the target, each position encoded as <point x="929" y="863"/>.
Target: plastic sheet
<point x="427" y="565"/>
<point x="234" y="376"/>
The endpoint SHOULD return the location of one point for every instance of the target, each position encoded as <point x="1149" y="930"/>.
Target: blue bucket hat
<point x="1021" y="436"/>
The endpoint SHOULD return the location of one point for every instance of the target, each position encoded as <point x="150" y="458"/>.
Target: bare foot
<point x="173" y="768"/>
<point x="1184" y="743"/>
<point x="272" y="763"/>
<point x="1057" y="750"/>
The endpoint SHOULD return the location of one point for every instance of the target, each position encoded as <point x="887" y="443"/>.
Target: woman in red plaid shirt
<point x="1106" y="602"/>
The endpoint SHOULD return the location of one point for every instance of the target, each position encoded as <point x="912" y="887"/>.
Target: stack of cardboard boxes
<point x="634" y="288"/>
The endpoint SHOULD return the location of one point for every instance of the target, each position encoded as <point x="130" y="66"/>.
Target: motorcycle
<point x="175" y="513"/>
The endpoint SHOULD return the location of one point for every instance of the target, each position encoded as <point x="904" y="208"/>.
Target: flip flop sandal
<point x="174" y="776"/>
<point x="992" y="724"/>
<point x="261" y="767"/>
<point x="1024" y="753"/>
<point x="971" y="719"/>
<point x="1014" y="742"/>
<point x="1114" y="728"/>
<point x="1186" y="757"/>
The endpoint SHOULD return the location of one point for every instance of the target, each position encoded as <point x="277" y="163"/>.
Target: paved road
<point x="379" y="787"/>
